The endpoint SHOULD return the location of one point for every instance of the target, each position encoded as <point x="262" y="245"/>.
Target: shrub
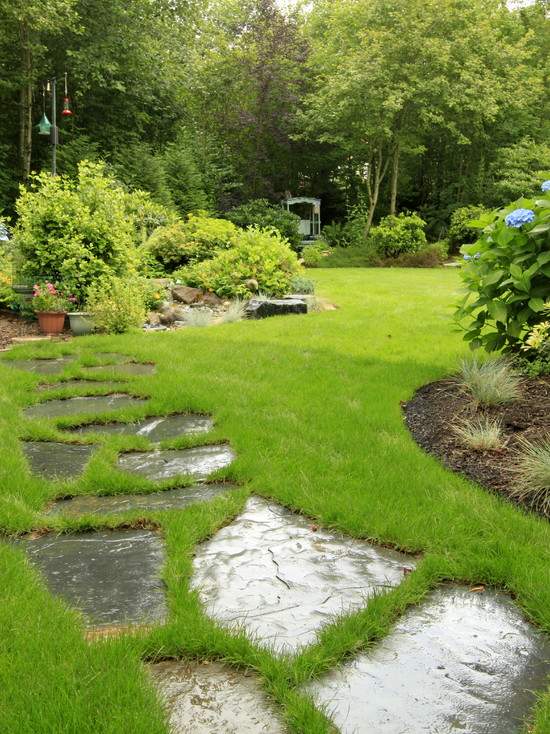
<point x="507" y="276"/>
<point x="396" y="235"/>
<point x="429" y="256"/>
<point x="75" y="231"/>
<point x="197" y="239"/>
<point x="460" y="231"/>
<point x="312" y="255"/>
<point x="260" y="213"/>
<point x="349" y="234"/>
<point x="532" y="474"/>
<point x="260" y="260"/>
<point x="493" y="382"/>
<point x="480" y="434"/>
<point x="117" y="304"/>
<point x="302" y="285"/>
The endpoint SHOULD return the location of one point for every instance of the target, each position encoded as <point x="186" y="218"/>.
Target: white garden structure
<point x="309" y="211"/>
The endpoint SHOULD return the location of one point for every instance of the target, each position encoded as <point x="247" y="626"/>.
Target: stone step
<point x="198" y="462"/>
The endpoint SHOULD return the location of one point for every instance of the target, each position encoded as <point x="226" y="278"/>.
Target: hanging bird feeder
<point x="66" y="111"/>
<point x="44" y="126"/>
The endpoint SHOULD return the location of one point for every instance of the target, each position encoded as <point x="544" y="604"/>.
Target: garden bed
<point x="436" y="407"/>
<point x="13" y="326"/>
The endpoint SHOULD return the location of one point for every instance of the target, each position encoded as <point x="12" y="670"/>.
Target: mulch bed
<point x="436" y="407"/>
<point x="13" y="326"/>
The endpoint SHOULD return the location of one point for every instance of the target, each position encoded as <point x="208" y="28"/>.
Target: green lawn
<point x="312" y="407"/>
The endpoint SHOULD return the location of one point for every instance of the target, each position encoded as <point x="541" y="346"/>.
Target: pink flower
<point x="51" y="289"/>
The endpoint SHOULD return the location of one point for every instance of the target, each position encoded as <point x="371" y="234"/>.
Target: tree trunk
<point x="377" y="170"/>
<point x="25" y="103"/>
<point x="394" y="177"/>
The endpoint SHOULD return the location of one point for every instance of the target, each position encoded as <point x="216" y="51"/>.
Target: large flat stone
<point x="51" y="459"/>
<point x="209" y="698"/>
<point x="460" y="662"/>
<point x="157" y="428"/>
<point x="113" y="577"/>
<point x="197" y="462"/>
<point x="168" y="499"/>
<point x="82" y="405"/>
<point x="259" y="309"/>
<point x="40" y="366"/>
<point x="130" y="368"/>
<point x="281" y="580"/>
<point x="81" y="385"/>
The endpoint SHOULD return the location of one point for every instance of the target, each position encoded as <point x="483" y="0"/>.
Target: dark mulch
<point x="436" y="407"/>
<point x="12" y="325"/>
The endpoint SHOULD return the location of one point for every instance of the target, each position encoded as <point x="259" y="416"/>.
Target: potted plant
<point x="50" y="307"/>
<point x="82" y="322"/>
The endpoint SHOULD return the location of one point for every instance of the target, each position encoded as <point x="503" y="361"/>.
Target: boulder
<point x="168" y="315"/>
<point x="211" y="299"/>
<point x="186" y="294"/>
<point x="257" y="309"/>
<point x="153" y="318"/>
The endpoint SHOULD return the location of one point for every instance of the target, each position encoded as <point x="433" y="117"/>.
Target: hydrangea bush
<point x="507" y="275"/>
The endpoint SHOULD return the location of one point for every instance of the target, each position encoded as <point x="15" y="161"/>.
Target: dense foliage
<point x="507" y="276"/>
<point x="373" y="105"/>
<point x="397" y="235"/>
<point x="75" y="231"/>
<point x="460" y="230"/>
<point x="259" y="261"/>
<point x="260" y="213"/>
<point x="117" y="304"/>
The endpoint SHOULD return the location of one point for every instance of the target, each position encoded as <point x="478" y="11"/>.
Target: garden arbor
<point x="309" y="211"/>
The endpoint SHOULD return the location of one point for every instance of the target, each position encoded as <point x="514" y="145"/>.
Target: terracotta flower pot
<point x="51" y="322"/>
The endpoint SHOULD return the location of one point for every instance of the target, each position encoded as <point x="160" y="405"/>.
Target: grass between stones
<point x="311" y="405"/>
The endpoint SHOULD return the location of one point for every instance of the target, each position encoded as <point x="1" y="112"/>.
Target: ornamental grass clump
<point x="532" y="474"/>
<point x="494" y="382"/>
<point x="198" y="318"/>
<point x="482" y="433"/>
<point x="236" y="311"/>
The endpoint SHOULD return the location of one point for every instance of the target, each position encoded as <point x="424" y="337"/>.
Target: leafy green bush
<point x="197" y="239"/>
<point x="396" y="235"/>
<point x="429" y="256"/>
<point x="117" y="304"/>
<point x="75" y="231"/>
<point x="312" y="255"/>
<point x="264" y="215"/>
<point x="507" y="276"/>
<point x="351" y="233"/>
<point x="302" y="285"/>
<point x="260" y="260"/>
<point x="460" y="232"/>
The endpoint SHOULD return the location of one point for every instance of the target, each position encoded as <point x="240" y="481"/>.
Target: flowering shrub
<point x="507" y="275"/>
<point x="260" y="260"/>
<point x="46" y="297"/>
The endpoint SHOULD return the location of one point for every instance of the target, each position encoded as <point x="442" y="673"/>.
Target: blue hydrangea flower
<point x="473" y="257"/>
<point x="545" y="185"/>
<point x="519" y="217"/>
<point x="467" y="257"/>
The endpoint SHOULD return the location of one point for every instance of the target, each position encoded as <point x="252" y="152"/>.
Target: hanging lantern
<point x="44" y="126"/>
<point x="66" y="111"/>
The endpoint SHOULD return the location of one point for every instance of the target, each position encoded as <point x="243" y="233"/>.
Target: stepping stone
<point x="197" y="462"/>
<point x="210" y="697"/>
<point x="270" y="573"/>
<point x="41" y="366"/>
<point x="110" y="576"/>
<point x="155" y="429"/>
<point x="80" y="384"/>
<point x="131" y="368"/>
<point x="82" y="405"/>
<point x="459" y="662"/>
<point x="168" y="499"/>
<point x="53" y="460"/>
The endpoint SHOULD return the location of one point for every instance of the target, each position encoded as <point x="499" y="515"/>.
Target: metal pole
<point x="54" y="127"/>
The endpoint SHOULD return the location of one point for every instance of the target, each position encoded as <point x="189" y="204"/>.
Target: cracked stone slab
<point x="81" y="405"/>
<point x="128" y="368"/>
<point x="270" y="573"/>
<point x="41" y="366"/>
<point x="168" y="499"/>
<point x="54" y="460"/>
<point x="113" y="577"/>
<point x="210" y="697"/>
<point x="198" y="462"/>
<point x="157" y="428"/>
<point x="460" y="661"/>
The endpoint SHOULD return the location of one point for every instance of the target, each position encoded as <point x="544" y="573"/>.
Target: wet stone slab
<point x="209" y="697"/>
<point x="461" y="662"/>
<point x="113" y="577"/>
<point x="129" y="368"/>
<point x="168" y="499"/>
<point x="158" y="428"/>
<point x="51" y="460"/>
<point x="40" y="366"/>
<point x="81" y="385"/>
<point x="82" y="405"/>
<point x="197" y="462"/>
<point x="270" y="573"/>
